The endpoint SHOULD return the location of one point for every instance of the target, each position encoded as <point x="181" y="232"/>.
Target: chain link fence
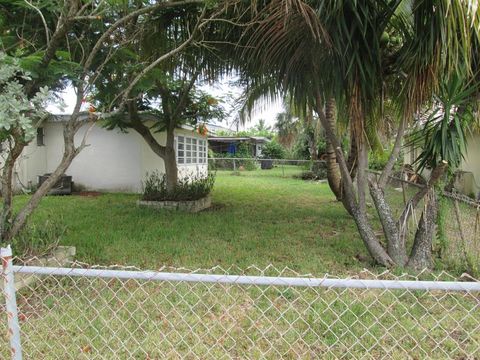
<point x="458" y="231"/>
<point x="86" y="312"/>
<point x="257" y="167"/>
<point x="461" y="238"/>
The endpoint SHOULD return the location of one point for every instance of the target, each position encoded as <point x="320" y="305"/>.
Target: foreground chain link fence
<point x="112" y="313"/>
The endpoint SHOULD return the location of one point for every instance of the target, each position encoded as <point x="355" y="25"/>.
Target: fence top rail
<point x="262" y="159"/>
<point x="253" y="280"/>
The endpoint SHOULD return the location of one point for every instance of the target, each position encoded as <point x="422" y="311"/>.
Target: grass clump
<point x="38" y="240"/>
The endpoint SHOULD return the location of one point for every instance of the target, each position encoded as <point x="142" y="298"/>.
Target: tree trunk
<point x="170" y="160"/>
<point x="387" y="171"/>
<point x="436" y="175"/>
<point x="352" y="162"/>
<point x="166" y="153"/>
<point x="375" y="249"/>
<point x="334" y="176"/>
<point x="395" y="244"/>
<point x="362" y="175"/>
<point x="367" y="235"/>
<point x="421" y="255"/>
<point x="7" y="188"/>
<point x="69" y="154"/>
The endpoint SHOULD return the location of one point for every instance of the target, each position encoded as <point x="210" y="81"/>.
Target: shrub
<point x="244" y="150"/>
<point x="248" y="165"/>
<point x="188" y="188"/>
<point x="314" y="173"/>
<point x="247" y="162"/>
<point x="273" y="150"/>
<point x="37" y="241"/>
<point x="377" y="160"/>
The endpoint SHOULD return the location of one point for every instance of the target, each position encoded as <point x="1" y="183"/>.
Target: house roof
<point x="233" y="139"/>
<point x="214" y="128"/>
<point x="85" y="116"/>
<point x="59" y="118"/>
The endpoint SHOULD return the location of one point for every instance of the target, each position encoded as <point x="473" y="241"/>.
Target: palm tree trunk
<point x="349" y="201"/>
<point x="334" y="176"/>
<point x="362" y="161"/>
<point x="352" y="160"/>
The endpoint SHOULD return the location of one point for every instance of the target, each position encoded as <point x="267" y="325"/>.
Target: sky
<point x="265" y="110"/>
<point x="222" y="90"/>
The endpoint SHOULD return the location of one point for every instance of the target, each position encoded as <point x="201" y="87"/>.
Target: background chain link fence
<point x="257" y="167"/>
<point x="457" y="240"/>
<point x="99" y="313"/>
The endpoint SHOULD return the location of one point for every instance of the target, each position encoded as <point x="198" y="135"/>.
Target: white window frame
<point x="191" y="150"/>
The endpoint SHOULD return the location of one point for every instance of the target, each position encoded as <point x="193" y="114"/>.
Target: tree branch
<point x="125" y="94"/>
<point x="382" y="182"/>
<point x="437" y="173"/>
<point x="106" y="35"/>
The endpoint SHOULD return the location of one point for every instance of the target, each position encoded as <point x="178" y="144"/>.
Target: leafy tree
<point x="59" y="44"/>
<point x="273" y="150"/>
<point x="169" y="93"/>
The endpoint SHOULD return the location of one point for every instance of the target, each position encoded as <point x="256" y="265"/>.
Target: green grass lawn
<point x="258" y="217"/>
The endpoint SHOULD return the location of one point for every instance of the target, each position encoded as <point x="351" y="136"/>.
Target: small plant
<point x="188" y="188"/>
<point x="378" y="159"/>
<point x="38" y="240"/>
<point x="319" y="174"/>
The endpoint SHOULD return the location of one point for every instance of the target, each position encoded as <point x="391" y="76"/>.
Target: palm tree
<point x="286" y="125"/>
<point x="326" y="52"/>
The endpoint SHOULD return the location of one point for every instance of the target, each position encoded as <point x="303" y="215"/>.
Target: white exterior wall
<point x="471" y="164"/>
<point x="113" y="161"/>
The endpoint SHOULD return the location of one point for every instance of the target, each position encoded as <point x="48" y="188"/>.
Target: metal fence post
<point x="11" y="302"/>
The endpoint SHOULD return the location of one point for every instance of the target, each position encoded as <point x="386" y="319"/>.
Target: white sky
<point x="222" y="90"/>
<point x="228" y="92"/>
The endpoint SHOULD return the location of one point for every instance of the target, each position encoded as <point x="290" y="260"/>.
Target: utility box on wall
<point x="62" y="187"/>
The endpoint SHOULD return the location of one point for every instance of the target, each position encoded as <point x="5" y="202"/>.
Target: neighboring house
<point x="113" y="161"/>
<point x="229" y="144"/>
<point x="467" y="179"/>
<point x="214" y="129"/>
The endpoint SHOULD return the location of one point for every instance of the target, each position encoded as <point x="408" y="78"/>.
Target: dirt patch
<point x="87" y="193"/>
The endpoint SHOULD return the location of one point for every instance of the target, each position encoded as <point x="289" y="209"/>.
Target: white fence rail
<point x="112" y="313"/>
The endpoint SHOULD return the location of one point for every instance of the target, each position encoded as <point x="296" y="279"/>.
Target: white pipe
<point x="253" y="280"/>
<point x="11" y="302"/>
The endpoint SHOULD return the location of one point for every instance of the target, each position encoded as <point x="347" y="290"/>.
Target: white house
<point x="113" y="161"/>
